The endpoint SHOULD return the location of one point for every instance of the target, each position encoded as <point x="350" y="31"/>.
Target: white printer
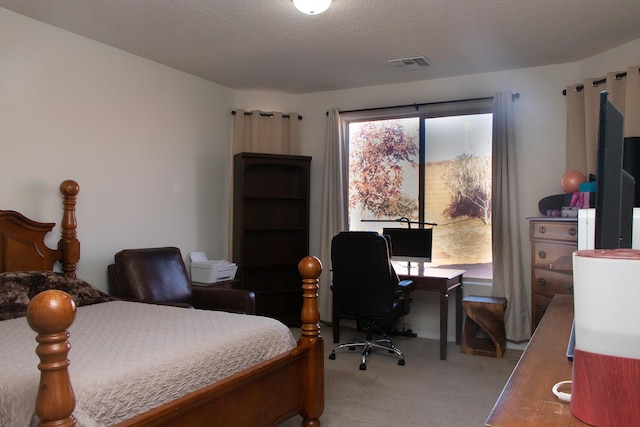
<point x="205" y="270"/>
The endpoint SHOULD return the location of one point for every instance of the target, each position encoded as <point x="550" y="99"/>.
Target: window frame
<point x="422" y="112"/>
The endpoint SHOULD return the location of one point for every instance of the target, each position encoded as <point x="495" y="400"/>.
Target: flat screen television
<point x="410" y="244"/>
<point x="615" y="187"/>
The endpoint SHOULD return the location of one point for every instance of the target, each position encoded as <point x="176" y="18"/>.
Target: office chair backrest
<point x="152" y="274"/>
<point x="364" y="281"/>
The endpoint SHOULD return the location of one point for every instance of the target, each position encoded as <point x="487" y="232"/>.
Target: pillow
<point x="17" y="289"/>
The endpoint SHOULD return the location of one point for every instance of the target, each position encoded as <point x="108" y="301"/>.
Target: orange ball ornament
<point x="571" y="180"/>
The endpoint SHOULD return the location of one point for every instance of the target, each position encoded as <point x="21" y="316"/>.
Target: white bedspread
<point x="127" y="358"/>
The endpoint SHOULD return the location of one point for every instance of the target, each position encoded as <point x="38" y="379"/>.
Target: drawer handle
<point x="572" y="231"/>
<point x="542" y="281"/>
<point x="570" y="289"/>
<point x="542" y="254"/>
<point x="541" y="308"/>
<point x="542" y="229"/>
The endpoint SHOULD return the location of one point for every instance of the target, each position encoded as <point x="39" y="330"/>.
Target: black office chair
<point x="366" y="289"/>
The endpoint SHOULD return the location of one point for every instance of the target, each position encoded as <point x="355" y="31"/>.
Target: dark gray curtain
<point x="508" y="273"/>
<point x="335" y="204"/>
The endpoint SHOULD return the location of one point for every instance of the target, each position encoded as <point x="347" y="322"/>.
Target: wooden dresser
<point x="553" y="241"/>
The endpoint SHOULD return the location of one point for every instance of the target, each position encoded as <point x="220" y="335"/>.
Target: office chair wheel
<point x="332" y="356"/>
<point x="363" y="366"/>
<point x="401" y="362"/>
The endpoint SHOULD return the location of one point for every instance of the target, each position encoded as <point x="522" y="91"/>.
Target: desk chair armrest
<point x="406" y="286"/>
<point x="232" y="300"/>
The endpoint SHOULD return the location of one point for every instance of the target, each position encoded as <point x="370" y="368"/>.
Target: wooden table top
<point x="420" y="270"/>
<point x="527" y="399"/>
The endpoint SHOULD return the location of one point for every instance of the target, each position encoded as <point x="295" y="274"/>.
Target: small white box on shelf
<point x="569" y="212"/>
<point x="204" y="270"/>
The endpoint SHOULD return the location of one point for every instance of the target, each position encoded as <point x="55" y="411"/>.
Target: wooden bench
<point x="484" y="332"/>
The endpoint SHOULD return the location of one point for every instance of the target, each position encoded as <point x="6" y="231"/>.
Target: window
<point x="430" y="166"/>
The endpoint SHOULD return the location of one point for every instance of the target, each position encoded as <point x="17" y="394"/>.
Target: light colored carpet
<point x="427" y="391"/>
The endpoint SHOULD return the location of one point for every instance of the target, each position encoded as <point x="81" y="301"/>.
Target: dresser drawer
<point x="554" y="230"/>
<point x="540" y="304"/>
<point x="553" y="256"/>
<point x="549" y="283"/>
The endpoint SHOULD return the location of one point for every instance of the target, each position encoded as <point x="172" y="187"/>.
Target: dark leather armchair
<point x="366" y="289"/>
<point x="159" y="275"/>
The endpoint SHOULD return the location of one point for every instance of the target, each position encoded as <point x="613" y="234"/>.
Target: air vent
<point x="409" y="63"/>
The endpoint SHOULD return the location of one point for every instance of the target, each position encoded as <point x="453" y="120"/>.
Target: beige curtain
<point x="335" y="204"/>
<point x="583" y="111"/>
<point x="266" y="132"/>
<point x="508" y="273"/>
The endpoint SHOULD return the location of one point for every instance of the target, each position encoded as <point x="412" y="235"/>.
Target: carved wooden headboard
<point x="22" y="246"/>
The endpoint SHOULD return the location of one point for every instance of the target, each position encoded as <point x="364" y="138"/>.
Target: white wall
<point x="616" y="59"/>
<point x="540" y="115"/>
<point x="540" y="122"/>
<point x="539" y="128"/>
<point x="149" y="144"/>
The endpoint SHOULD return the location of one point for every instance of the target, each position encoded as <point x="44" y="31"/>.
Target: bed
<point x="77" y="386"/>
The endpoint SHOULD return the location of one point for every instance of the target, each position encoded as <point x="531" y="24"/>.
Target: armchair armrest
<point x="117" y="291"/>
<point x="232" y="300"/>
<point x="169" y="303"/>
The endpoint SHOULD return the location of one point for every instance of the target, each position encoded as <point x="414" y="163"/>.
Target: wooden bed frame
<point x="266" y="394"/>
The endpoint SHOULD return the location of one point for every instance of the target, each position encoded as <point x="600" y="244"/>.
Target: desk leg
<point x="459" y="313"/>
<point x="444" y="314"/>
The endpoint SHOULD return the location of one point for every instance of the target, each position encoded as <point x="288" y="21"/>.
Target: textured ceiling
<point x="267" y="45"/>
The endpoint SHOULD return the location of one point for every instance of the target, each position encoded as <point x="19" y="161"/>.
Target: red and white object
<point x="605" y="389"/>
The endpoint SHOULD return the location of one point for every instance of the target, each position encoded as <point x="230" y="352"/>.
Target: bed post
<point x="310" y="268"/>
<point x="69" y="245"/>
<point x="50" y="313"/>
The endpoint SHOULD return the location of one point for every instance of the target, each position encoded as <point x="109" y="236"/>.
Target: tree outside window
<point x="385" y="166"/>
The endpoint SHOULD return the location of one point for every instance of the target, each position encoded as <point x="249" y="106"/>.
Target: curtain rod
<point x="248" y="113"/>
<point x="514" y="96"/>
<point x="595" y="83"/>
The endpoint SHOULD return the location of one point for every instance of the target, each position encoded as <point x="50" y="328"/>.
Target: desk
<point x="526" y="399"/>
<point x="437" y="280"/>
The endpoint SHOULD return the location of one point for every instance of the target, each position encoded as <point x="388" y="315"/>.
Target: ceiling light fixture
<point x="312" y="7"/>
